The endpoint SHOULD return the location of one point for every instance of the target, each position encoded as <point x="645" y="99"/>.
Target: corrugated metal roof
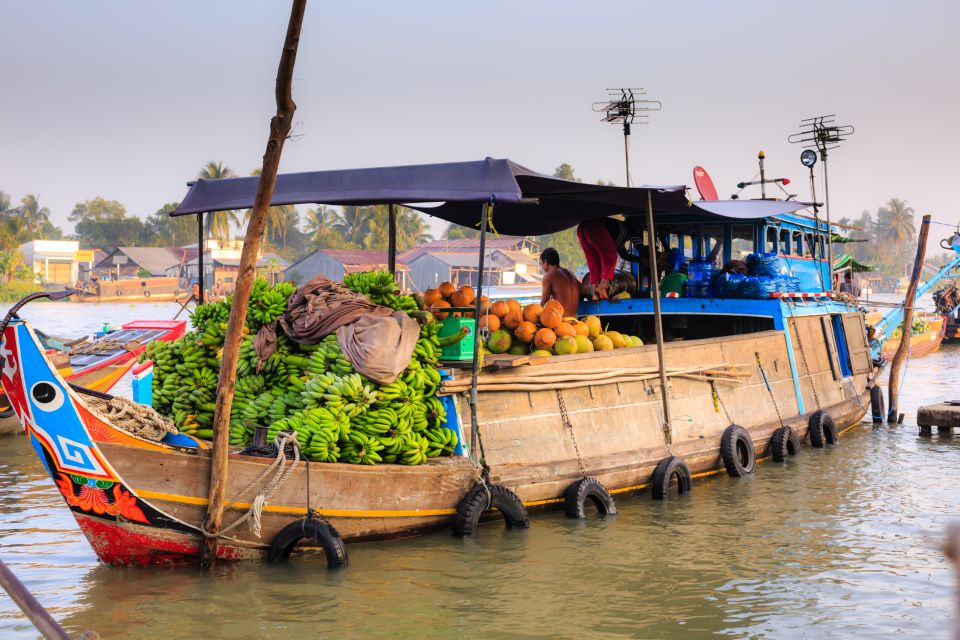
<point x="156" y="260"/>
<point x="460" y="245"/>
<point x="350" y="257"/>
<point x="465" y="260"/>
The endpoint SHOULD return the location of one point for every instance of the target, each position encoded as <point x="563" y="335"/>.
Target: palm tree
<point x="321" y="229"/>
<point x="35" y="217"/>
<point x="220" y="221"/>
<point x="4" y="202"/>
<point x="412" y="229"/>
<point x="898" y="224"/>
<point x="352" y="223"/>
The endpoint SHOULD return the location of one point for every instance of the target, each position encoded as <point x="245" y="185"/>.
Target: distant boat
<point x="921" y="344"/>
<point x="133" y="290"/>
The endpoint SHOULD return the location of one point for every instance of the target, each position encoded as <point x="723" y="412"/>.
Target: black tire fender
<point x="484" y="497"/>
<point x="663" y="475"/>
<point x="119" y="293"/>
<point x="877" y="404"/>
<point x="577" y="494"/>
<point x="323" y="535"/>
<point x="736" y="450"/>
<point x="822" y="430"/>
<point x="783" y="443"/>
<point x="146" y="293"/>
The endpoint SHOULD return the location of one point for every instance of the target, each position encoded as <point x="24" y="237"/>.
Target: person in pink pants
<point x="601" y="253"/>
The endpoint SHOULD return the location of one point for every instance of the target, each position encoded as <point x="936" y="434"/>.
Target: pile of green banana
<point x="337" y="414"/>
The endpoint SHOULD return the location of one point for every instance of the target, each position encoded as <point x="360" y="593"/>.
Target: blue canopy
<point x="526" y="202"/>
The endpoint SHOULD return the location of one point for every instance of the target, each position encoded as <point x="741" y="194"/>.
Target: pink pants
<point x="599" y="249"/>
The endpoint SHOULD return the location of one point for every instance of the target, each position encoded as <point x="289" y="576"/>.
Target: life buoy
<point x="577" y="494"/>
<point x="784" y="442"/>
<point x="146" y="293"/>
<point x="663" y="476"/>
<point x="736" y="449"/>
<point x="822" y="430"/>
<point x="320" y="532"/>
<point x="484" y="497"/>
<point x="877" y="404"/>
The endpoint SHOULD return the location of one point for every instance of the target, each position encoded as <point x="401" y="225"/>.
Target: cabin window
<point x="741" y="243"/>
<point x="823" y="250"/>
<point x="808" y="244"/>
<point x="840" y="337"/>
<point x="797" y="243"/>
<point x="713" y="244"/>
<point x="772" y="236"/>
<point x="784" y="241"/>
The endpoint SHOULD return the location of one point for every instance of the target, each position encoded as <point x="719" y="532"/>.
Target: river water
<point x="842" y="543"/>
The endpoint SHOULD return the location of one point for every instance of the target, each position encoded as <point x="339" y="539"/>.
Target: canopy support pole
<point x="200" y="256"/>
<point x="658" y="318"/>
<point x="392" y="242"/>
<point x="826" y="201"/>
<point x="486" y="212"/>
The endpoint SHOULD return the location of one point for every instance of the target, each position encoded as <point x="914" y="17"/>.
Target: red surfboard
<point x="704" y="184"/>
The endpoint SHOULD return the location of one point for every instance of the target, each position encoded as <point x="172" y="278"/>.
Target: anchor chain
<point x="766" y="383"/>
<point x="718" y="401"/>
<point x="806" y="367"/>
<point x="565" y="419"/>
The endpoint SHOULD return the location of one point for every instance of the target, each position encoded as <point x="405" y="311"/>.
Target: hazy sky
<point x="127" y="100"/>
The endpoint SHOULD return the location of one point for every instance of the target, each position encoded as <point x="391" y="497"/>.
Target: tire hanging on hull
<point x="320" y="532"/>
<point x="577" y="494"/>
<point x="822" y="430"/>
<point x="876" y="404"/>
<point x="783" y="443"/>
<point x="736" y="450"/>
<point x="484" y="497"/>
<point x="668" y="469"/>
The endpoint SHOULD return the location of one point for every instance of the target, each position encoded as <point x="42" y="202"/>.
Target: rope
<point x="280" y="476"/>
<point x="133" y="417"/>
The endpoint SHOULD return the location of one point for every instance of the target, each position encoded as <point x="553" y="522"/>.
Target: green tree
<point x="4" y="202"/>
<point x="456" y="232"/>
<point x="898" y="225"/>
<point x="321" y="232"/>
<point x="161" y="230"/>
<point x="105" y="223"/>
<point x="220" y="221"/>
<point x="412" y="229"/>
<point x="37" y="219"/>
<point x="565" y="171"/>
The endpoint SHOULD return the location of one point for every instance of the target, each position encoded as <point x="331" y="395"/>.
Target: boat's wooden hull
<point x="153" y="497"/>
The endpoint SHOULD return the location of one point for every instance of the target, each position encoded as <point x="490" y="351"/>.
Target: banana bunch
<point x="266" y="303"/>
<point x="205" y="315"/>
<point x="380" y="288"/>
<point x="349" y="395"/>
<point x="440" y="441"/>
<point x="361" y="449"/>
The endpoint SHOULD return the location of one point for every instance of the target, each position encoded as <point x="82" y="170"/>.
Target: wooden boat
<point x="800" y="361"/>
<point x="140" y="502"/>
<point x="921" y="344"/>
<point x="133" y="290"/>
<point x="99" y="364"/>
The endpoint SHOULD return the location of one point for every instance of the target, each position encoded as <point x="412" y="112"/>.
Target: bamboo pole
<point x="893" y="390"/>
<point x="658" y="317"/>
<point x="279" y="130"/>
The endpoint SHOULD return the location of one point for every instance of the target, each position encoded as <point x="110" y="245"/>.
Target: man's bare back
<point x="561" y="285"/>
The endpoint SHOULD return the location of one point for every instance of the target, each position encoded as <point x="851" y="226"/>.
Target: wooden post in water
<point x="279" y="130"/>
<point x="908" y="304"/>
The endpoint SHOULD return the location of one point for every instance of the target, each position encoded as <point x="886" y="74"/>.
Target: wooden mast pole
<point x="279" y="130"/>
<point x="893" y="390"/>
<point x="657" y="317"/>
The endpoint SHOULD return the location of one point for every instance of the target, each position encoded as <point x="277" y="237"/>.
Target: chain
<point x="565" y="418"/>
<point x="766" y="383"/>
<point x="816" y="396"/>
<point x="718" y="401"/>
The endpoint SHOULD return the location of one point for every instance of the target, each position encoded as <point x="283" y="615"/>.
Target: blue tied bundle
<point x="767" y="264"/>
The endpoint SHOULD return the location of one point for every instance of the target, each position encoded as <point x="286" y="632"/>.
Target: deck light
<point x="808" y="158"/>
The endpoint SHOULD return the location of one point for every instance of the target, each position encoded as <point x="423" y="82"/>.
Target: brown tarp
<point x="380" y="342"/>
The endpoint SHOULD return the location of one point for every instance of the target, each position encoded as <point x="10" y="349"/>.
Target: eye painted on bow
<point x="46" y="396"/>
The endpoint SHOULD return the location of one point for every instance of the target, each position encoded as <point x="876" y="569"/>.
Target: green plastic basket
<point x="462" y="350"/>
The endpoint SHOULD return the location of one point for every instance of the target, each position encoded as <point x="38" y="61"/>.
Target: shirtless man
<point x="558" y="283"/>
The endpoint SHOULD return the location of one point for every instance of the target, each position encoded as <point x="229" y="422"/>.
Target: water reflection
<point x="840" y="542"/>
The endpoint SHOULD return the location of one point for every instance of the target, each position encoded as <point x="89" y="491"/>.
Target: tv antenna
<point x="823" y="134"/>
<point x="627" y="106"/>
